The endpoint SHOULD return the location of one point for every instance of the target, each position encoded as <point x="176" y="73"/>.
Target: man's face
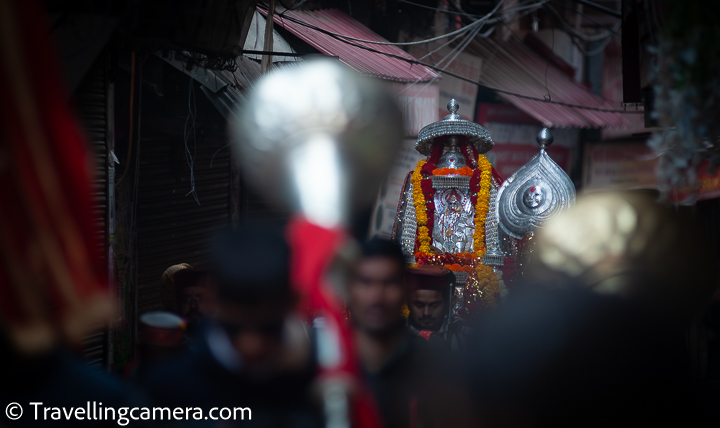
<point x="192" y="303"/>
<point x="255" y="332"/>
<point x="376" y="294"/>
<point x="196" y="302"/>
<point x="427" y="309"/>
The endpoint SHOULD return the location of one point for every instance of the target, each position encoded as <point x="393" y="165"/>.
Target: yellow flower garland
<point x="488" y="283"/>
<point x="483" y="205"/>
<point x="420" y="211"/>
<point x="487" y="280"/>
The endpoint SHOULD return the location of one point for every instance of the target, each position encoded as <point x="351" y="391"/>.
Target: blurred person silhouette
<point x="253" y="353"/>
<point x="163" y="334"/>
<point x="711" y="387"/>
<point x="429" y="302"/>
<point x="53" y="279"/>
<point x="161" y="337"/>
<point x="595" y="334"/>
<point x="412" y="381"/>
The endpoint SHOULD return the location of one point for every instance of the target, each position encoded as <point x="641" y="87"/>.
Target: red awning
<point x="512" y="66"/>
<point x="363" y="61"/>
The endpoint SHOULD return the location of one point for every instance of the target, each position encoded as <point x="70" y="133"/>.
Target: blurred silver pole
<point x="319" y="138"/>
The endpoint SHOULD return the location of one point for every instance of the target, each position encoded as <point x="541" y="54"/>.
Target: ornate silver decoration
<point x="453" y="158"/>
<point x="409" y="227"/>
<point x="461" y="278"/>
<point x="453" y="227"/>
<point x="454" y="124"/>
<point x="450" y="182"/>
<point x="493" y="256"/>
<point x="458" y="294"/>
<point x="536" y="192"/>
<point x="396" y="233"/>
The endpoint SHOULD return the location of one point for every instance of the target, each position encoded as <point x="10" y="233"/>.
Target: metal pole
<point x="266" y="62"/>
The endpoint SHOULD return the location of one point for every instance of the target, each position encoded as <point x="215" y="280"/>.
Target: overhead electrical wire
<point x="428" y="70"/>
<point x="350" y="41"/>
<point x="596" y="38"/>
<point x="437" y="9"/>
<point x="588" y="17"/>
<point x="455" y="52"/>
<point x="605" y="37"/>
<point x="502" y="91"/>
<point x="505" y="14"/>
<point x="459" y="48"/>
<point x="461" y="12"/>
<point x="462" y="46"/>
<point x="604" y="9"/>
<point x="480" y="21"/>
<point x="575" y="35"/>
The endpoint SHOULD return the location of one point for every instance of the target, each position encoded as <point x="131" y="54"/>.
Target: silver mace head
<point x="319" y="138"/>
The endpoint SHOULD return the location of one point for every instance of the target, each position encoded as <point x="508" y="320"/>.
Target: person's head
<point x="168" y="293"/>
<point x="376" y="291"/>
<point x="429" y="296"/>
<point x="195" y="292"/>
<point x="252" y="270"/>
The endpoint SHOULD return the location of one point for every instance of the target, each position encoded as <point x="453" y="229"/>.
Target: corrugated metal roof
<point x="362" y="61"/>
<point x="512" y="66"/>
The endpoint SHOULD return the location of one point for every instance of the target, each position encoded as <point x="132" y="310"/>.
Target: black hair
<point x="251" y="265"/>
<point x="379" y="247"/>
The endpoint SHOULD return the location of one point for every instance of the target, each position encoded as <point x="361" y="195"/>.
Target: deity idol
<point x="447" y="212"/>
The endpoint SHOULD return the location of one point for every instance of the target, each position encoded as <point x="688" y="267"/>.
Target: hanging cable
<point x="190" y="157"/>
<point x="589" y="18"/>
<point x="492" y="88"/>
<point x="216" y="152"/>
<point x="462" y="47"/>
<point x="345" y="40"/>
<point x="480" y="21"/>
<point x="485" y="20"/>
<point x="451" y="12"/>
<point x="605" y="38"/>
<point x="548" y="97"/>
<point x="596" y="38"/>
<point x="132" y="116"/>
<point x="505" y="14"/>
<point x="457" y="51"/>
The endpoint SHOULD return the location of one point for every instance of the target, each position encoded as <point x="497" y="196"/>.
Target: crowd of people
<point x="230" y="337"/>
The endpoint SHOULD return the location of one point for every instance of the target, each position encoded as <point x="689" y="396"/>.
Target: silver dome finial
<point x="453" y="106"/>
<point x="544" y="138"/>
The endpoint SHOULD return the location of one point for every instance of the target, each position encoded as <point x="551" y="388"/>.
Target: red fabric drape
<point x="313" y="249"/>
<point x="52" y="280"/>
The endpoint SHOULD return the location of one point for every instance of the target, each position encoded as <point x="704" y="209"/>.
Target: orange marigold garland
<point x="482" y="205"/>
<point x="420" y="209"/>
<point x="447" y="171"/>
